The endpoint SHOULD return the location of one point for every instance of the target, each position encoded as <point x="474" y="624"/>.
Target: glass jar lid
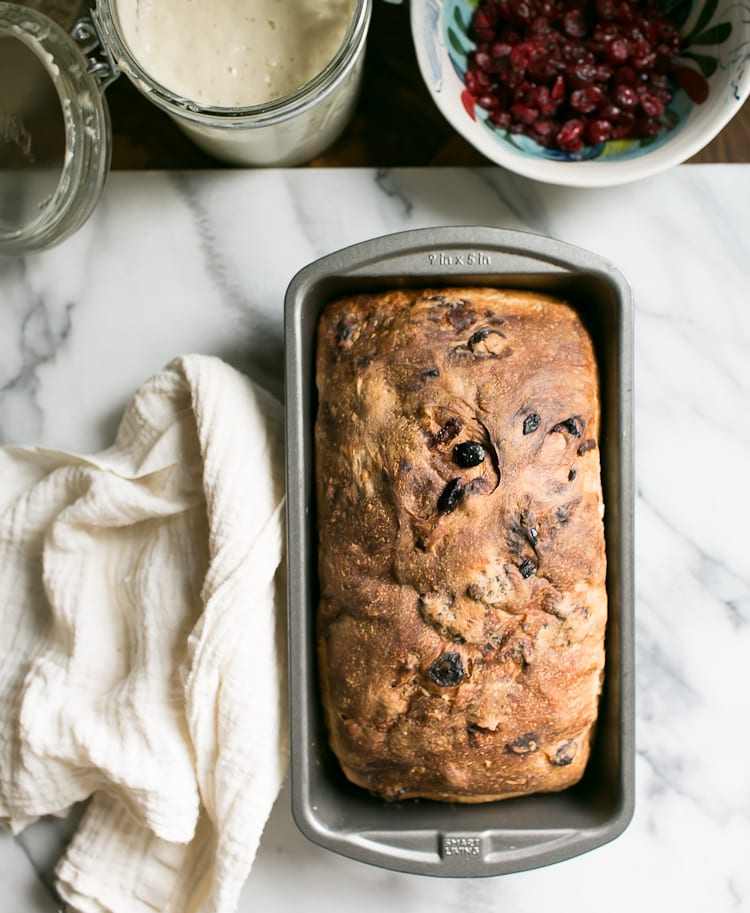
<point x="55" y="135"/>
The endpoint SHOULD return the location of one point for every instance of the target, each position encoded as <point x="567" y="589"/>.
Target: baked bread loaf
<point x="461" y="545"/>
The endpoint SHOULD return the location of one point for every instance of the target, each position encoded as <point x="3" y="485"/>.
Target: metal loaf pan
<point x="432" y="838"/>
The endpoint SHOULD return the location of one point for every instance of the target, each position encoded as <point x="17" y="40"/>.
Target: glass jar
<point x="287" y="131"/>
<point x="54" y="132"/>
<point x="53" y="163"/>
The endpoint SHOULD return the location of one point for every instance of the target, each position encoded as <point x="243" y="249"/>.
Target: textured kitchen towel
<point x="141" y="648"/>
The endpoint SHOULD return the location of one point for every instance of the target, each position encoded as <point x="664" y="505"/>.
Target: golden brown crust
<point x="462" y="611"/>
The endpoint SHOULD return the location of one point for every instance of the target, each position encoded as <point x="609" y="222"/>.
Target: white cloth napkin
<point x="142" y="652"/>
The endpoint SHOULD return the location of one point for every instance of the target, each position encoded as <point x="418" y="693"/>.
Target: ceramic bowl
<point x="714" y="65"/>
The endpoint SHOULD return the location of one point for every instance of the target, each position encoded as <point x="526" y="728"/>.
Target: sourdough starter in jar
<point x="234" y="53"/>
<point x="253" y="82"/>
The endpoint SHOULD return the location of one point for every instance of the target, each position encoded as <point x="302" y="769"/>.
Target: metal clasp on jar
<point x="87" y="33"/>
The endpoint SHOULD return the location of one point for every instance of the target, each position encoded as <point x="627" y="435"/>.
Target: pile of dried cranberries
<point x="570" y="73"/>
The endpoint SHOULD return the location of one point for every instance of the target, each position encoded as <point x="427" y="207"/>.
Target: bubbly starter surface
<point x="233" y="53"/>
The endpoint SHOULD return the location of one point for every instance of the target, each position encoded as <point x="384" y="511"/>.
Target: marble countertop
<point x="178" y="262"/>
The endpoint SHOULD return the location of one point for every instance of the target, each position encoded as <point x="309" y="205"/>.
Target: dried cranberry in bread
<point x="461" y="561"/>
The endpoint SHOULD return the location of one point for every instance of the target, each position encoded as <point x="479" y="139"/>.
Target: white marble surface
<point x="200" y="262"/>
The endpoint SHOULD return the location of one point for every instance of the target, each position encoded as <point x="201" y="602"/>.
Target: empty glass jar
<point x="54" y="125"/>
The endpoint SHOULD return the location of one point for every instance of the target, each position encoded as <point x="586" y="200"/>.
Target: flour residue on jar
<point x="233" y="53"/>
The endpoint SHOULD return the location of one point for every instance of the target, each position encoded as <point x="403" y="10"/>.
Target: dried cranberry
<point x="574" y="24"/>
<point x="501" y="119"/>
<point x="648" y="126"/>
<point x="544" y="131"/>
<point x="448" y="670"/>
<point x="524" y="11"/>
<point x="520" y="56"/>
<point x="482" y="20"/>
<point x="450" y="497"/>
<point x="642" y="57"/>
<point x="582" y="102"/>
<point x="565" y="753"/>
<point x="572" y="425"/>
<point x="540" y="25"/>
<point x="468" y="453"/>
<point x="626" y="96"/>
<point x="345" y="329"/>
<point x="542" y="68"/>
<point x="581" y="74"/>
<point x="570" y="133"/>
<point x="625" y="12"/>
<point x="488" y="101"/>
<point x="606" y="10"/>
<point x="479" y="486"/>
<point x="544" y="127"/>
<point x="524" y="113"/>
<point x="540" y="98"/>
<point x="617" y="51"/>
<point x="500" y="49"/>
<point x="478" y="337"/>
<point x="449" y="430"/>
<point x="483" y="80"/>
<point x="598" y="131"/>
<point x="482" y="60"/>
<point x="652" y="105"/>
<point x="525" y="744"/>
<point x="483" y="25"/>
<point x="575" y="52"/>
<point x="472" y="83"/>
<point x="624" y="126"/>
<point x="626" y="75"/>
<point x="484" y="34"/>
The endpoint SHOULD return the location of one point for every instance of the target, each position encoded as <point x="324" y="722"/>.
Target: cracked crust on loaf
<point x="463" y="606"/>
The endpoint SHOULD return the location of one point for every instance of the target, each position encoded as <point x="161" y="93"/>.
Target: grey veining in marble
<point x="200" y="262"/>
